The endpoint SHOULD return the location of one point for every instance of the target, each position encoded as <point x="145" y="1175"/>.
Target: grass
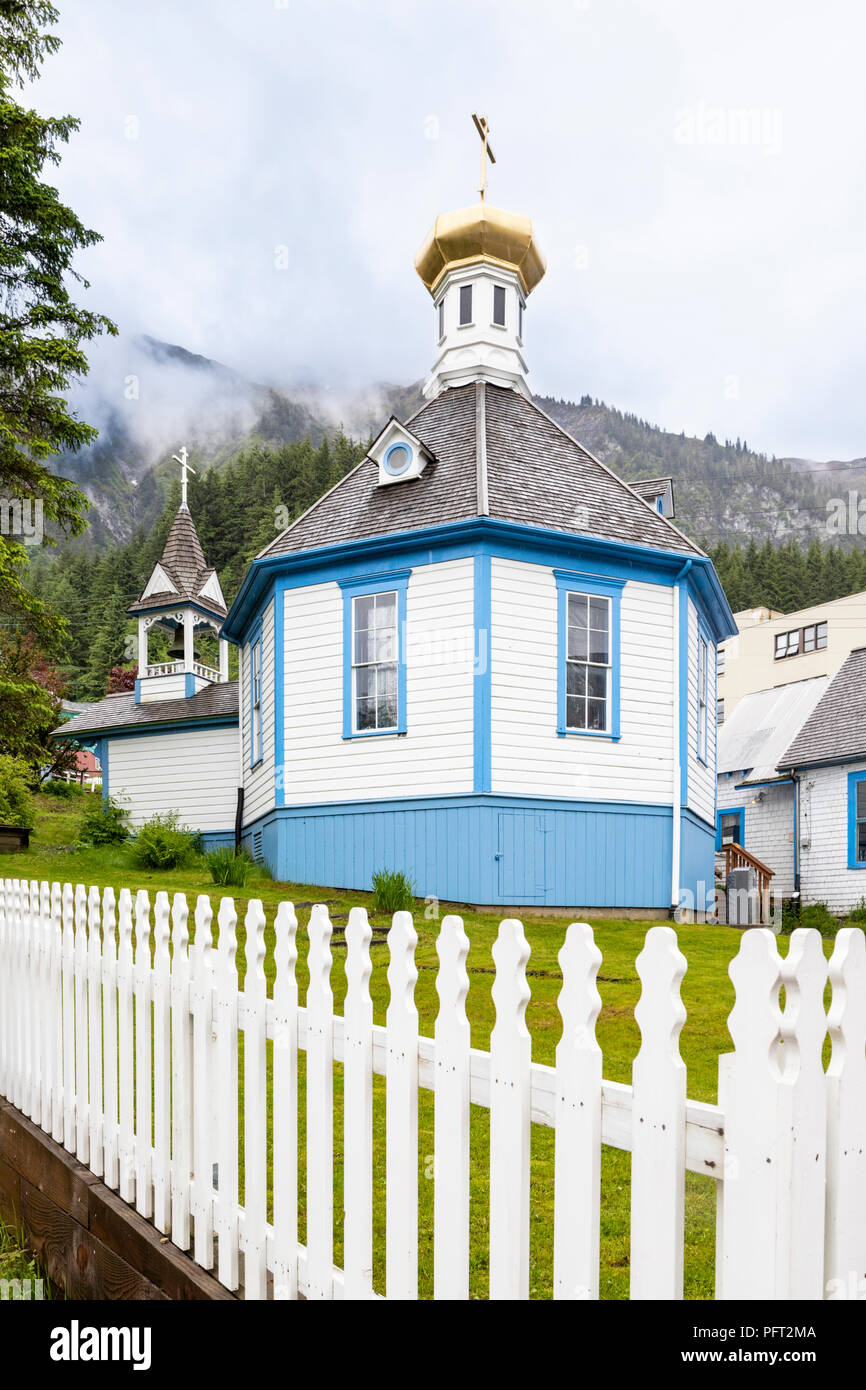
<point x="19" y="1264"/>
<point x="707" y="994"/>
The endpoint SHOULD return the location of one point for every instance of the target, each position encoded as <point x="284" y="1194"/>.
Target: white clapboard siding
<point x="451" y="1115"/>
<point x="510" y="1089"/>
<point x="401" y="1113"/>
<point x="358" y="1109"/>
<point x="785" y="1145"/>
<point x="845" y="1239"/>
<point x="577" y="1170"/>
<point x="323" y="766"/>
<point x="258" y="781"/>
<point x="526" y="752"/>
<point x="701" y="775"/>
<point x="194" y="774"/>
<point x="658" y="1144"/>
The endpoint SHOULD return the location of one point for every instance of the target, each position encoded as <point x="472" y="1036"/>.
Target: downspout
<point x="795" y="896"/>
<point x="677" y="759"/>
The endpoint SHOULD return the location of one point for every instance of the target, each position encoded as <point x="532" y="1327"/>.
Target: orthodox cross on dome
<point x="486" y="150"/>
<point x="185" y="468"/>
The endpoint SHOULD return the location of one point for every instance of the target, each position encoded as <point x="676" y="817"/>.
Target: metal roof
<point x="761" y="727"/>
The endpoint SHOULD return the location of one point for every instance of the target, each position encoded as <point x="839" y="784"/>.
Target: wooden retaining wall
<point x="88" y="1241"/>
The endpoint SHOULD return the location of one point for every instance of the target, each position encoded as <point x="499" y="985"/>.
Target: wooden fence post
<point x="755" y="1229"/>
<point x="181" y="1075"/>
<point x="401" y="1113"/>
<point x="143" y="1057"/>
<point x="358" y="1110"/>
<point x="451" y="1115"/>
<point x="94" y="1030"/>
<point x="255" y="1105"/>
<point x="320" y="1108"/>
<point x="161" y="1065"/>
<point x="201" y="999"/>
<point x="577" y="1162"/>
<point x="56" y="1009"/>
<point x="125" y="1048"/>
<point x="79" y="968"/>
<point x="510" y="1094"/>
<point x="110" y="1036"/>
<point x="804" y="1028"/>
<point x="285" y="1105"/>
<point x="658" y="1142"/>
<point x="845" y="1251"/>
<point x="225" y="1084"/>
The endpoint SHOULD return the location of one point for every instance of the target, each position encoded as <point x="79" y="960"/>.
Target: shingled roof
<point x="118" y="712"/>
<point x="497" y="454"/>
<point x="835" y="732"/>
<point x="184" y="565"/>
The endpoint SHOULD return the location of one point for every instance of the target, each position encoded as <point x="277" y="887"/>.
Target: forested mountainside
<point x="170" y="397"/>
<point x="263" y="457"/>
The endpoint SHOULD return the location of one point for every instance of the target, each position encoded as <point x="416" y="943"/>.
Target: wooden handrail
<point x="736" y="857"/>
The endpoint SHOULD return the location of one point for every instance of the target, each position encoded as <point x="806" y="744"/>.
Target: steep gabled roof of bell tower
<point x="182" y="575"/>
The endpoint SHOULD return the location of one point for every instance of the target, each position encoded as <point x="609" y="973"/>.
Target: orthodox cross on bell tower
<point x="486" y="150"/>
<point x="185" y="468"/>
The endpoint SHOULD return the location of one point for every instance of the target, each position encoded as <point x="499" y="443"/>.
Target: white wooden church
<point x="481" y="658"/>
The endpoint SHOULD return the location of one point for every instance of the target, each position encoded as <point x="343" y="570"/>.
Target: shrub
<point x="104" y="823"/>
<point x="818" y="915"/>
<point x="229" y="867"/>
<point x="392" y="891"/>
<point x="58" y="786"/>
<point x="16" y="801"/>
<point x="161" y="843"/>
<point x="857" y="915"/>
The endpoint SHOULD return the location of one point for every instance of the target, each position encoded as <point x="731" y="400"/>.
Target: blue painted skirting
<point x="216" y="839"/>
<point x="490" y="849"/>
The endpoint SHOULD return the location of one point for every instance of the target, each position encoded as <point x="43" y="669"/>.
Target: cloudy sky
<point x="263" y="172"/>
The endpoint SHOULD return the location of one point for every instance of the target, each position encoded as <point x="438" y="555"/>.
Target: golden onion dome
<point x="480" y="233"/>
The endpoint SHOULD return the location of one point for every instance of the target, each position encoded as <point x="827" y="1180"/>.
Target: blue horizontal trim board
<point x="171" y="726"/>
<point x="512" y="540"/>
<point x="487" y="849"/>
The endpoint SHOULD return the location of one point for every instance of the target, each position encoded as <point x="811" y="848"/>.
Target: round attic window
<point x="397" y="459"/>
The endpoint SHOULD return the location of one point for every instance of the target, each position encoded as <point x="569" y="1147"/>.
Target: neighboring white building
<point x="827" y="761"/>
<point x="755" y="801"/>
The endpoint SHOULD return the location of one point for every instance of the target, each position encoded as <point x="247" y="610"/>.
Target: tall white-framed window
<point x="256" y="744"/>
<point x="589" y="660"/>
<point x="703" y="696"/>
<point x="375" y="657"/>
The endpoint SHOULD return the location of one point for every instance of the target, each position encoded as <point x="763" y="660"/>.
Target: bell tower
<point x="480" y="264"/>
<point x="182" y="597"/>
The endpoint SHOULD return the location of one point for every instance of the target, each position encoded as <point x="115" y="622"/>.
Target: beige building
<point x="773" y="649"/>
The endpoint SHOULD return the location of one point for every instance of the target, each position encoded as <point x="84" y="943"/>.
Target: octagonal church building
<point x="482" y="658"/>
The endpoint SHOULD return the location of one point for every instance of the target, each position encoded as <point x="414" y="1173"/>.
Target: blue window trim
<point x="374" y="584"/>
<point x="481" y="675"/>
<point x="703" y="637"/>
<point x="854" y="778"/>
<point x="731" y="811"/>
<point x="256" y="641"/>
<point x="574" y="581"/>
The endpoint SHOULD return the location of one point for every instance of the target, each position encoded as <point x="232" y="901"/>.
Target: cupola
<point x="182" y="597"/>
<point x="480" y="264"/>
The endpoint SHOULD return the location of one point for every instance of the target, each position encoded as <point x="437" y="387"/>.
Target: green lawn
<point x="707" y="994"/>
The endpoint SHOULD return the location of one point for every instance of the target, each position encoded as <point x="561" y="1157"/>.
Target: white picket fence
<point x="126" y="1052"/>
